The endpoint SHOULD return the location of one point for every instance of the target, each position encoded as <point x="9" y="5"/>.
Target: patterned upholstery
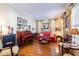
<point x="7" y="51"/>
<point x="15" y="50"/>
<point x="47" y="35"/>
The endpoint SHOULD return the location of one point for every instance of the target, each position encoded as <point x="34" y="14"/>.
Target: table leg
<point x="62" y="50"/>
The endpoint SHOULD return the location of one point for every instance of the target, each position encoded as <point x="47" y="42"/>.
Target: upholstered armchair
<point x="8" y="51"/>
<point x="5" y="52"/>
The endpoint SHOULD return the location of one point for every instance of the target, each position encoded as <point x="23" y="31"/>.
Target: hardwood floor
<point x="37" y="49"/>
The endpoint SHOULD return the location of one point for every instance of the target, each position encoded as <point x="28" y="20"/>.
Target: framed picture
<point x="19" y="20"/>
<point x="24" y="22"/>
<point x="46" y="25"/>
<point x="21" y="23"/>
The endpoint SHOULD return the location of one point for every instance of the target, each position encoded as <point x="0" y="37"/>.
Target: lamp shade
<point x="74" y="32"/>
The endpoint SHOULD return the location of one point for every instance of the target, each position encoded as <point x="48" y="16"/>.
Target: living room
<point x="39" y="29"/>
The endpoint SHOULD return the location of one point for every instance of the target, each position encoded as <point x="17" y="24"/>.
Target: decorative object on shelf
<point x="10" y="30"/>
<point x="29" y="27"/>
<point x="32" y="28"/>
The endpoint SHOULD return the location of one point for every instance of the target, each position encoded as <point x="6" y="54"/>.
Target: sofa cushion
<point x="6" y="52"/>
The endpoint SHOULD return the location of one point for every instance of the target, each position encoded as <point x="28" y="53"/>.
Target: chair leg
<point x="11" y="51"/>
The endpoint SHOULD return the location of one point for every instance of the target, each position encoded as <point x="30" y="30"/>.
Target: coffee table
<point x="66" y="47"/>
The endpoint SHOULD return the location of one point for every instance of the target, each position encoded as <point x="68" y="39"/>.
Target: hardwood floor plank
<point x="37" y="49"/>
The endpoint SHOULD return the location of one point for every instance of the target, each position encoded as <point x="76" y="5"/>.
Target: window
<point x="75" y="17"/>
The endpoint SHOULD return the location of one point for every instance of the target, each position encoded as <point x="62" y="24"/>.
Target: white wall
<point x="59" y="24"/>
<point x="53" y="25"/>
<point x="8" y="16"/>
<point x="32" y="23"/>
<point x="39" y="26"/>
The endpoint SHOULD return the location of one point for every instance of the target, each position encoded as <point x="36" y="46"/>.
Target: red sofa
<point x="48" y="36"/>
<point x="24" y="36"/>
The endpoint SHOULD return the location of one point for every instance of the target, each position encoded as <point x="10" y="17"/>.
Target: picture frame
<point x="46" y="25"/>
<point x="21" y="23"/>
<point x="19" y="20"/>
<point x="24" y="22"/>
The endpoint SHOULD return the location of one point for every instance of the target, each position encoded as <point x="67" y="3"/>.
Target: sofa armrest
<point x="4" y="48"/>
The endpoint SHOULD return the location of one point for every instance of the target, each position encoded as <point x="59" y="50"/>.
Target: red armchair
<point x="24" y="36"/>
<point x="47" y="36"/>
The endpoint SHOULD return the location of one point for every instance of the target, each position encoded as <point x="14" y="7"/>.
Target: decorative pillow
<point x="6" y="52"/>
<point x="15" y="50"/>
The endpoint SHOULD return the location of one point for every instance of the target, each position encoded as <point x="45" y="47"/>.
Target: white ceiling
<point x="40" y="10"/>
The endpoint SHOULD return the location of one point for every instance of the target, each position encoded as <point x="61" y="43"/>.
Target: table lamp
<point x="74" y="32"/>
